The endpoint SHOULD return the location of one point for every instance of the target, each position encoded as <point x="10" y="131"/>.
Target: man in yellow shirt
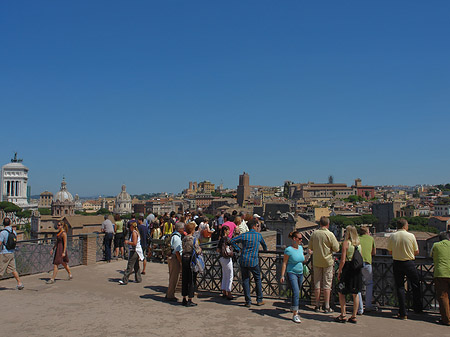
<point x="403" y="247"/>
<point x="323" y="243"/>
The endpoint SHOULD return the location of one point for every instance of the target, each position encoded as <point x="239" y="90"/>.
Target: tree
<point x="103" y="211"/>
<point x="45" y="211"/>
<point x="9" y="207"/>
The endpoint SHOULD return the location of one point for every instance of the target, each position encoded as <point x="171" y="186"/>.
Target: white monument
<point x="14" y="182"/>
<point x="123" y="202"/>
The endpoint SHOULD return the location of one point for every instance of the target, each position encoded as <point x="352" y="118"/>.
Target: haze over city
<point x="156" y="94"/>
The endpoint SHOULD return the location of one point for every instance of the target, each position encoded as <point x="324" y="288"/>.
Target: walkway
<point x="93" y="304"/>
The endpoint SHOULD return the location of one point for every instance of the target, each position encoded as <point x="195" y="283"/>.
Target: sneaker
<point x="185" y="302"/>
<point x="51" y="281"/>
<point x="327" y="310"/>
<point x="403" y="318"/>
<point x="20" y="286"/>
<point x="122" y="283"/>
<point x="296" y="319"/>
<point x="70" y="277"/>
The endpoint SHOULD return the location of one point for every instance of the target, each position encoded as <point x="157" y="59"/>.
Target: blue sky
<point x="155" y="94"/>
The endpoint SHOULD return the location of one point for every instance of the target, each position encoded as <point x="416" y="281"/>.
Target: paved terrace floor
<point x="93" y="304"/>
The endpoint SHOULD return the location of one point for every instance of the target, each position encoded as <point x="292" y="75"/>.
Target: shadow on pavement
<point x="159" y="289"/>
<point x="114" y="279"/>
<point x="276" y="313"/>
<point x="158" y="298"/>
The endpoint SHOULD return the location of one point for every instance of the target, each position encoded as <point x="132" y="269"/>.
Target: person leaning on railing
<point x="249" y="259"/>
<point x="403" y="247"/>
<point x="119" y="237"/>
<point x="368" y="249"/>
<point x="349" y="278"/>
<point x="323" y="243"/>
<point x="441" y="258"/>
<point x="226" y="253"/>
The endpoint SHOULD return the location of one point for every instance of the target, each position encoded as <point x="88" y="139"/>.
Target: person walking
<point x="441" y="258"/>
<point x="323" y="243"/>
<point x="293" y="259"/>
<point x="61" y="256"/>
<point x="189" y="244"/>
<point x="135" y="254"/>
<point x="368" y="249"/>
<point x="174" y="261"/>
<point x="8" y="239"/>
<point x="348" y="277"/>
<point x="249" y="261"/>
<point x="108" y="229"/>
<point x="119" y="237"/>
<point x="403" y="247"/>
<point x="225" y="251"/>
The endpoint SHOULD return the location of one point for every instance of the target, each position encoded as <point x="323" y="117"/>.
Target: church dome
<point x="63" y="194"/>
<point x="123" y="196"/>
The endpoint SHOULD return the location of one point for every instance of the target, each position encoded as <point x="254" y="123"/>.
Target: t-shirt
<point x="108" y="226"/>
<point x="143" y="232"/>
<point x="402" y="245"/>
<point x="230" y="225"/>
<point x="367" y="243"/>
<point x="4" y="238"/>
<point x="441" y="257"/>
<point x="351" y="251"/>
<point x="296" y="258"/>
<point x="119" y="226"/>
<point x="323" y="243"/>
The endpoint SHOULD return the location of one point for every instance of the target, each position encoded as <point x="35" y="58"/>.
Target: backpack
<point x="197" y="261"/>
<point x="167" y="246"/>
<point x="357" y="261"/>
<point x="11" y="241"/>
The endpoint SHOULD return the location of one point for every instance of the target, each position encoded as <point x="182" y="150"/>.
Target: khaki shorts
<point x="7" y="264"/>
<point x="323" y="277"/>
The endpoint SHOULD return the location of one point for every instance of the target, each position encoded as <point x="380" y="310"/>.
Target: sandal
<point x="340" y="319"/>
<point x="352" y="320"/>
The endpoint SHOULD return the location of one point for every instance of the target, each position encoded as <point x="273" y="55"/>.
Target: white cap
<point x="256" y="216"/>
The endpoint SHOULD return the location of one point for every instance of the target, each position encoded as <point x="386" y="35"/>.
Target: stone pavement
<point x="93" y="304"/>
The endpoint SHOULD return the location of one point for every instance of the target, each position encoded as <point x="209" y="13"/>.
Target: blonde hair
<point x="134" y="225"/>
<point x="352" y="235"/>
<point x="190" y="227"/>
<point x="237" y="220"/>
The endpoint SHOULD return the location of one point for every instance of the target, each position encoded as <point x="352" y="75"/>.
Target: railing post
<point x="89" y="248"/>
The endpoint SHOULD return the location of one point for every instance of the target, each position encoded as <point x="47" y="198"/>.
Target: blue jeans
<point x="367" y="277"/>
<point x="246" y="283"/>
<point x="295" y="282"/>
<point x="108" y="241"/>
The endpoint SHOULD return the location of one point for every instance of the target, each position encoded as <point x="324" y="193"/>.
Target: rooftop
<point x="93" y="304"/>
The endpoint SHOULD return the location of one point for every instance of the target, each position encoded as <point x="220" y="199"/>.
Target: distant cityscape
<point x="427" y="207"/>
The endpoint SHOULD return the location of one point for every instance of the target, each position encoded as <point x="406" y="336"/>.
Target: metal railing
<point x="271" y="262"/>
<point x="100" y="251"/>
<point x="33" y="256"/>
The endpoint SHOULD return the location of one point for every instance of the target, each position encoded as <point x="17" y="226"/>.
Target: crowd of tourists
<point x="239" y="239"/>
